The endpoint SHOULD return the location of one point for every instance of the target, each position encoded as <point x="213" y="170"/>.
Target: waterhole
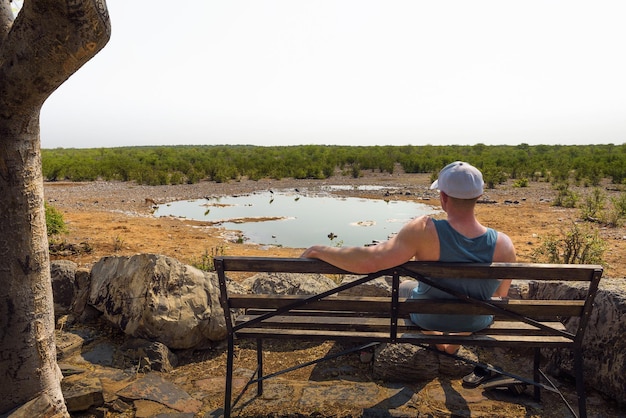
<point x="301" y="218"/>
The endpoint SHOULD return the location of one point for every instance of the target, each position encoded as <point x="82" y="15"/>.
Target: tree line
<point x="160" y="165"/>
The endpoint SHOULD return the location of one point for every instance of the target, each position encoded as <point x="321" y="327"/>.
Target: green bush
<point x="523" y="182"/>
<point x="592" y="208"/>
<point x="565" y="197"/>
<point x="579" y="245"/>
<point x="356" y="171"/>
<point x="205" y="262"/>
<point x="616" y="214"/>
<point x="619" y="203"/>
<point x="595" y="209"/>
<point x="493" y="175"/>
<point x="54" y="220"/>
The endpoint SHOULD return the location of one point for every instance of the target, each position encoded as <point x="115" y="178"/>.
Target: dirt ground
<point x="116" y="218"/>
<point x="112" y="218"/>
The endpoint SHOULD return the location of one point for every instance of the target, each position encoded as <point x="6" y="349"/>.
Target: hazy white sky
<point x="352" y="72"/>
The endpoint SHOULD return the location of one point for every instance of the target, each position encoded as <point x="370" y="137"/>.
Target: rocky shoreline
<point x="100" y="211"/>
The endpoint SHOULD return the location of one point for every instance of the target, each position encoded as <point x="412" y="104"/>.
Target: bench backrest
<point x="530" y="311"/>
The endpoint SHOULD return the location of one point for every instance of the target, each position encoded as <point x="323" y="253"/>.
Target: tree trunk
<point x="47" y="42"/>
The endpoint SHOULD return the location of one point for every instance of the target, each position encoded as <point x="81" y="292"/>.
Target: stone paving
<point x="93" y="388"/>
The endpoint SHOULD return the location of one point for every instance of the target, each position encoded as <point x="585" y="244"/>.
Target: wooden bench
<point x="334" y="317"/>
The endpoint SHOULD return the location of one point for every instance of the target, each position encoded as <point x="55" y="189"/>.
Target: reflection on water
<point x="299" y="219"/>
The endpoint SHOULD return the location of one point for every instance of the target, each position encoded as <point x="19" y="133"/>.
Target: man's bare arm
<point x="395" y="251"/>
<point x="505" y="253"/>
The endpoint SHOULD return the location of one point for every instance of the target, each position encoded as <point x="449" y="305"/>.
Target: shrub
<point x="579" y="245"/>
<point x="205" y="263"/>
<point x="593" y="206"/>
<point x="595" y="209"/>
<point x="118" y="243"/>
<point x="493" y="175"/>
<point x="54" y="220"/>
<point x="523" y="182"/>
<point x="356" y="171"/>
<point x="565" y="197"/>
<point x="615" y="215"/>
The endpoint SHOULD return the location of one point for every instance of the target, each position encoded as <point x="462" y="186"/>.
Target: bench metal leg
<point x="229" y="377"/>
<point x="257" y="377"/>
<point x="259" y="362"/>
<point x="580" y="382"/>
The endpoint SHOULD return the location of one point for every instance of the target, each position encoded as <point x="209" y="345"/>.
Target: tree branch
<point x="48" y="42"/>
<point x="6" y="19"/>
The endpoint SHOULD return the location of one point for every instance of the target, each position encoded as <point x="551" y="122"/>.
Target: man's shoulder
<point x="421" y="220"/>
<point x="505" y="250"/>
<point x="419" y="226"/>
<point x="502" y="236"/>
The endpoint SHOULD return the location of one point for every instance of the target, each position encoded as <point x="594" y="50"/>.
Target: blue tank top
<point x="456" y="248"/>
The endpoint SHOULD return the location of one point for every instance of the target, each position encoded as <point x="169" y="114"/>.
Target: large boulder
<point x="288" y="284"/>
<point x="160" y="299"/>
<point x="604" y="345"/>
<point x="380" y="286"/>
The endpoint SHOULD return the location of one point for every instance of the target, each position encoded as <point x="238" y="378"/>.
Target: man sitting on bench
<point x="460" y="238"/>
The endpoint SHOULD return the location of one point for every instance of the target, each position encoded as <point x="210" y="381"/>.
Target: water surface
<point x="300" y="219"/>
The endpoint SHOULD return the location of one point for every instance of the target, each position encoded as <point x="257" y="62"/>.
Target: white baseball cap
<point x="460" y="180"/>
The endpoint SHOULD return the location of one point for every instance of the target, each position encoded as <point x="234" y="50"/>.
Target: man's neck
<point x="466" y="224"/>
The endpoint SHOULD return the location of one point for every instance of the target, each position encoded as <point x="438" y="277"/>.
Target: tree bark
<point x="47" y="42"/>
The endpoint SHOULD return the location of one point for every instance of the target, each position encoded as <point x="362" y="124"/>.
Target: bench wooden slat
<point x="511" y="327"/>
<point x="382" y="305"/>
<point x="415" y="337"/>
<point x="531" y="308"/>
<point x="332" y="303"/>
<point x="519" y="271"/>
<point x="524" y="271"/>
<point x="379" y="324"/>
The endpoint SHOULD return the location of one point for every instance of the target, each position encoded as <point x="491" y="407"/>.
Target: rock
<point x="604" y="346"/>
<point x="235" y="288"/>
<point x="521" y="289"/>
<point x="414" y="363"/>
<point x="89" y="315"/>
<point x="380" y="286"/>
<point x="70" y="370"/>
<point x="288" y="284"/>
<point x="405" y="363"/>
<point x="145" y="356"/>
<point x="101" y="353"/>
<point x="68" y="344"/>
<point x="151" y="409"/>
<point x="119" y="406"/>
<point x="68" y="249"/>
<point x="450" y="366"/>
<point x="41" y="406"/>
<point x="160" y="299"/>
<point x="154" y="388"/>
<point x="63" y="273"/>
<point x="82" y="282"/>
<point x="82" y="393"/>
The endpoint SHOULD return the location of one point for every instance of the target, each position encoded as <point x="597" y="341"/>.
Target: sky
<point x="349" y="72"/>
